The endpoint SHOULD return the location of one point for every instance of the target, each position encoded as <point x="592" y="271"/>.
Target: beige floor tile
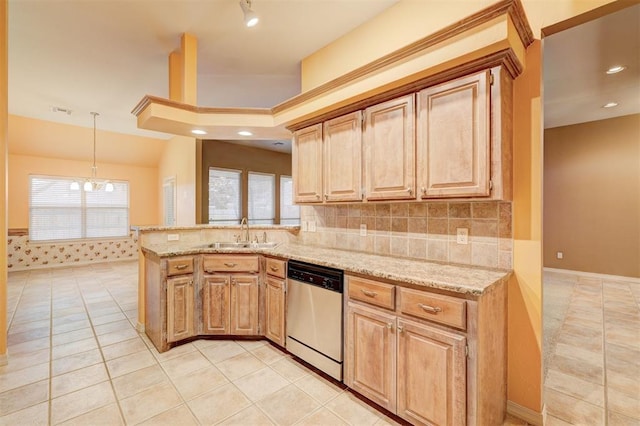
<point x="25" y="336"/>
<point x="554" y="421"/>
<point x="321" y="417"/>
<point x="112" y="326"/>
<point x="126" y="347"/>
<point x="67" y="349"/>
<point x="139" y="380"/>
<point x="260" y="384"/>
<point x="268" y="354"/>
<point x="149" y="402"/>
<point x="222" y="350"/>
<point x="185" y="364"/>
<point x="573" y="410"/>
<point x="75" y="362"/>
<point x="78" y="379"/>
<point x="251" y="345"/>
<point x="24" y="397"/>
<point x="117" y="336"/>
<point x="30" y="346"/>
<point x="109" y="415"/>
<point x="33" y="416"/>
<point x="26" y="326"/>
<point x="72" y="336"/>
<point x="386" y="421"/>
<point x="240" y="365"/>
<point x="318" y="388"/>
<point x="249" y="416"/>
<point x="25" y="359"/>
<point x="81" y="402"/>
<point x="622" y="354"/>
<point x="15" y="379"/>
<point x="298" y="405"/>
<point x="70" y="326"/>
<point x="290" y="369"/>
<point x="218" y="404"/>
<point x="617" y="419"/>
<point x="581" y="369"/>
<point x="622" y="403"/>
<point x="173" y="352"/>
<point x="352" y="410"/>
<point x="198" y="382"/>
<point x="104" y="319"/>
<point x="180" y="415"/>
<point x="128" y="363"/>
<point x="576" y="387"/>
<point x="622" y="335"/>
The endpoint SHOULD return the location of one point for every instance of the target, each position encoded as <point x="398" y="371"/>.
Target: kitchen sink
<point x="236" y="245"/>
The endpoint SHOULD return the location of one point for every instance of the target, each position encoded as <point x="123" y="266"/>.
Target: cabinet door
<point x="454" y="138"/>
<point x="431" y="375"/>
<point x="274" y="310"/>
<point x="343" y="158"/>
<point x="215" y="304"/>
<point x="307" y="165"/>
<point x="371" y="355"/>
<point x="180" y="303"/>
<point x="389" y="146"/>
<point x="244" y="304"/>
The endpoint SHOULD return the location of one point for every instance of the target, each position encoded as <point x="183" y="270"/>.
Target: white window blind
<point x="169" y="201"/>
<point x="224" y="196"/>
<point x="56" y="212"/>
<point x="289" y="212"/>
<point x="262" y="198"/>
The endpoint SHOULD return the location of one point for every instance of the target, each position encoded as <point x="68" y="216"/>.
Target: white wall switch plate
<point x="173" y="237"/>
<point x="462" y="235"/>
<point x="559" y="255"/>
<point x="363" y="230"/>
<point x="312" y="226"/>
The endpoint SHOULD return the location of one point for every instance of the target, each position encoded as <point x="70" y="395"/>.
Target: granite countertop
<point x="153" y="228"/>
<point x="468" y="280"/>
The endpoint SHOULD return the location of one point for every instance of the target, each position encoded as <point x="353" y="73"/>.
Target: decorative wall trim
<point x="528" y="415"/>
<point x="18" y="232"/>
<point x="630" y="280"/>
<point x="149" y="99"/>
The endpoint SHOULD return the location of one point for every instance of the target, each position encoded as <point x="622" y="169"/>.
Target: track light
<point x="250" y="17"/>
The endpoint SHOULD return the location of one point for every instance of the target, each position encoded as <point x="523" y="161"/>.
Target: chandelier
<point x="92" y="184"/>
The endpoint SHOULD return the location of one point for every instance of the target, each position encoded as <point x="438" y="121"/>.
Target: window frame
<point x="225" y="222"/>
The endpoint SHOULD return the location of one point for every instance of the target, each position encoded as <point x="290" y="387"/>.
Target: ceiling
<point x="576" y="85"/>
<point x="105" y="55"/>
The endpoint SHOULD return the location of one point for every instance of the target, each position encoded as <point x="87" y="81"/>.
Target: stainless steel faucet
<point x="244" y="230"/>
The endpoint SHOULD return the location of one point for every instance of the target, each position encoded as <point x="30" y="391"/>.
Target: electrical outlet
<point x="173" y="237"/>
<point x="462" y="235"/>
<point x="312" y="226"/>
<point x="559" y="255"/>
<point x="363" y="230"/>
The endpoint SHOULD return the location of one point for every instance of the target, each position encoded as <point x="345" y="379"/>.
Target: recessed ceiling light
<point x="610" y="105"/>
<point x="615" y="69"/>
<point x="198" y="132"/>
<point x="245" y="133"/>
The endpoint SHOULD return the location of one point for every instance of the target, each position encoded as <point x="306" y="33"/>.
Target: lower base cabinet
<point x="275" y="310"/>
<point x="230" y="304"/>
<point x="180" y="307"/>
<point x="411" y="369"/>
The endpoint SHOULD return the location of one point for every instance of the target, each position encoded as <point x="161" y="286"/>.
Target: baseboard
<point x="631" y="280"/>
<point x="526" y="414"/>
<point x="4" y="359"/>
<point x="71" y="264"/>
<point x="140" y="328"/>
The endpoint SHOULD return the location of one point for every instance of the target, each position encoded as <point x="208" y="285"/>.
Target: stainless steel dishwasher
<point x="314" y="316"/>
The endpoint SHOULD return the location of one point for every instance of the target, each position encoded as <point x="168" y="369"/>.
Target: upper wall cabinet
<point x="307" y="165"/>
<point x="463" y="148"/>
<point x="389" y="150"/>
<point x="343" y="158"/>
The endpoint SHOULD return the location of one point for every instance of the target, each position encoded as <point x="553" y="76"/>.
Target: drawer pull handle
<point x="430" y="309"/>
<point x="233" y="282"/>
<point x="369" y="293"/>
<point x="274" y="268"/>
<point x="390" y="325"/>
<point x="230" y="264"/>
<point x="181" y="266"/>
<point x="209" y="271"/>
<point x="400" y="328"/>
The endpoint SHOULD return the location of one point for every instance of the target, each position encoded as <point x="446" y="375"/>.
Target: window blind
<point x="289" y="212"/>
<point x="224" y="196"/>
<point x="262" y="198"/>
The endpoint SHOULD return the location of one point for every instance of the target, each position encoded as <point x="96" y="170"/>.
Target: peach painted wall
<point x="179" y="161"/>
<point x="3" y="179"/>
<point x="592" y="196"/>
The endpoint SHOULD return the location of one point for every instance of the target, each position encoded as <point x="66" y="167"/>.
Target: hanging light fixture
<point x="250" y="17"/>
<point x="92" y="184"/>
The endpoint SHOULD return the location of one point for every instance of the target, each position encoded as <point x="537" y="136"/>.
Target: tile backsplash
<point x="416" y="230"/>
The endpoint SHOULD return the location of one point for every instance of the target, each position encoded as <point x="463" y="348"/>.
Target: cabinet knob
<point x="369" y="293"/>
<point x="318" y="196"/>
<point x="181" y="266"/>
<point x="410" y="190"/>
<point x="390" y="326"/>
<point x="400" y="328"/>
<point x="424" y="190"/>
<point x="230" y="265"/>
<point x="274" y="268"/>
<point x="233" y="282"/>
<point x="326" y="197"/>
<point x="430" y="309"/>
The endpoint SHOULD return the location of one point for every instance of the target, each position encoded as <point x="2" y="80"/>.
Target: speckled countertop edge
<point x="469" y="280"/>
<point x="153" y="228"/>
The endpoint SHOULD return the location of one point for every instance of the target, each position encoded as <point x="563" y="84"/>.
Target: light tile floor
<point x="75" y="358"/>
<point x="591" y="350"/>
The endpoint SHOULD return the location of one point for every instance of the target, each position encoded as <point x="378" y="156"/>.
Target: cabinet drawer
<point x="276" y="267"/>
<point x="372" y="292"/>
<point x="181" y="265"/>
<point x="442" y="309"/>
<point x="230" y="263"/>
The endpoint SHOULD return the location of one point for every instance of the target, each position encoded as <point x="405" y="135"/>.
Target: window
<point x="57" y="212"/>
<point x="169" y="201"/>
<point x="224" y="196"/>
<point x="289" y="212"/>
<point x="262" y="193"/>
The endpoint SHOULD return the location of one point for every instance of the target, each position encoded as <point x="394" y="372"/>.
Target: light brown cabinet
<point x="275" y="301"/>
<point x="432" y="359"/>
<point x="389" y="150"/>
<point x="180" y="308"/>
<point x="306" y="167"/>
<point x="230" y="295"/>
<point x="342" y="158"/>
